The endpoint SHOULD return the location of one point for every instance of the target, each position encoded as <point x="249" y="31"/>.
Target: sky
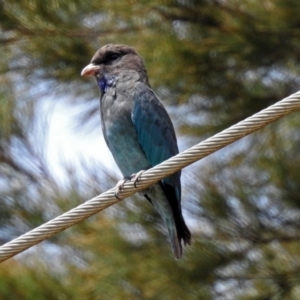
<point x="66" y="143"/>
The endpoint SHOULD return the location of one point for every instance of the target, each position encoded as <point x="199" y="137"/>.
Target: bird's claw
<point x="136" y="177"/>
<point x="119" y="187"/>
<point x="120" y="184"/>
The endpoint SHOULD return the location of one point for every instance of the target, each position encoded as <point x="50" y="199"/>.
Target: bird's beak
<point x="90" y="70"/>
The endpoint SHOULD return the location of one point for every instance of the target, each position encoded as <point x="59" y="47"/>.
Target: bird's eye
<point x="114" y="56"/>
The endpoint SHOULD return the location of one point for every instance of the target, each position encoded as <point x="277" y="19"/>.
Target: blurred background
<point x="213" y="63"/>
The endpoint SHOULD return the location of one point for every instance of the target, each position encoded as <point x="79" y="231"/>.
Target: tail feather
<point x="163" y="198"/>
<point x="175" y="241"/>
<point x="178" y="231"/>
<point x="183" y="232"/>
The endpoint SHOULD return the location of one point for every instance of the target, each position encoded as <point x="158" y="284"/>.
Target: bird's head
<point x="112" y="60"/>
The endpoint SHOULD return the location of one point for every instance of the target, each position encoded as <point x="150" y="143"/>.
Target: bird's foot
<point x="120" y="185"/>
<point x="136" y="177"/>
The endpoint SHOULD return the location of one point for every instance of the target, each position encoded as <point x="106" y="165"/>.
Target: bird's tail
<point x="178" y="231"/>
<point x="170" y="211"/>
<point x="175" y="241"/>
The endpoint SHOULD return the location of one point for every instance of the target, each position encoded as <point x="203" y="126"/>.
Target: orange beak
<point x="90" y="70"/>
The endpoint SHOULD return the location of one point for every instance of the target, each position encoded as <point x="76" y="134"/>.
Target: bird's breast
<point x="119" y="131"/>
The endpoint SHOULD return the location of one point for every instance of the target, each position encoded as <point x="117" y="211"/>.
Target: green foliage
<point x="216" y="62"/>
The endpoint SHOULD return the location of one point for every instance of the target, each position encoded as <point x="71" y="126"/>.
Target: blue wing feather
<point x="157" y="138"/>
<point x="155" y="131"/>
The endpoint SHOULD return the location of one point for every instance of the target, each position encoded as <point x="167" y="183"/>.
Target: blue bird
<point x="138" y="130"/>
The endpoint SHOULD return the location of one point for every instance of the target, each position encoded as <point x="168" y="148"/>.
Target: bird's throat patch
<point x="105" y="81"/>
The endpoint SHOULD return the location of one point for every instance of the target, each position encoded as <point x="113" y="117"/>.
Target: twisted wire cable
<point x="151" y="176"/>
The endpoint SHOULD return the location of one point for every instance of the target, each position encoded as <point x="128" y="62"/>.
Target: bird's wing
<point x="157" y="138"/>
<point x="155" y="130"/>
<point x="153" y="124"/>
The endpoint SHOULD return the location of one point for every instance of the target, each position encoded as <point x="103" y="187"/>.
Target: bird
<point x="138" y="131"/>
